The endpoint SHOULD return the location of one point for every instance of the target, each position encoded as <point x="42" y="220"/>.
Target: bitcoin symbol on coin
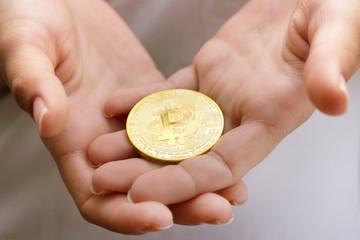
<point x="173" y="125"/>
<point x="177" y="123"/>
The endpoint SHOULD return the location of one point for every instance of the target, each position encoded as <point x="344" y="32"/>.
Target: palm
<point x="269" y="91"/>
<point x="254" y="69"/>
<point x="256" y="79"/>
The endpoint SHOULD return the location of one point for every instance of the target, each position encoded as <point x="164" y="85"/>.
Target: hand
<point x="118" y="176"/>
<point x="61" y="59"/>
<point x="67" y="58"/>
<point x="267" y="67"/>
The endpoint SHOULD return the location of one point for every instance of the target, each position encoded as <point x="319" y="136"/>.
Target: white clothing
<point x="307" y="188"/>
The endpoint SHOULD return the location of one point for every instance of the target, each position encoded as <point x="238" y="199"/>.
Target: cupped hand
<point x="61" y="59"/>
<point x="119" y="164"/>
<point x="268" y="68"/>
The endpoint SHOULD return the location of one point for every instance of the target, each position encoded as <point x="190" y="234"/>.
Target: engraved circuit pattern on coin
<point x="173" y="125"/>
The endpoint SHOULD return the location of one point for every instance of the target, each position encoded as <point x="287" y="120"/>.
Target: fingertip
<point x="207" y="208"/>
<point x="344" y="91"/>
<point x="159" y="217"/>
<point x="118" y="176"/>
<point x="93" y="153"/>
<point x="330" y="97"/>
<point x="95" y="191"/>
<point x="50" y="118"/>
<point x="184" y="78"/>
<point x="237" y="194"/>
<point x="109" y="107"/>
<point x="121" y="101"/>
<point x="325" y="82"/>
<point x="110" y="147"/>
<point x="49" y="121"/>
<point x="116" y="214"/>
<point x="333" y="57"/>
<point x="227" y="222"/>
<point x="162" y="228"/>
<point x="150" y="186"/>
<point x="128" y="196"/>
<point x="39" y="112"/>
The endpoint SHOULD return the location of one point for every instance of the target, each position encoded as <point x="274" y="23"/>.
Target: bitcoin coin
<point x="173" y="125"/>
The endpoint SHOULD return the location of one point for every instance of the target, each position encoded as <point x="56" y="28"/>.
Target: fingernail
<point x="163" y="228"/>
<point x="95" y="166"/>
<point x="236" y="203"/>
<point x="39" y="111"/>
<point x="225" y="223"/>
<point x="342" y="82"/>
<point x="129" y="197"/>
<point x="343" y="88"/>
<point x="93" y="191"/>
<point x="217" y="222"/>
<point x="108" y="115"/>
<point x="156" y="228"/>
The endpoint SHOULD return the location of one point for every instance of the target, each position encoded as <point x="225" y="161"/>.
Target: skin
<point x="268" y="68"/>
<point x="61" y="63"/>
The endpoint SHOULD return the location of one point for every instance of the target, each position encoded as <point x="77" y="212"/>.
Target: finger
<point x="112" y="211"/>
<point x="118" y="176"/>
<point x="236" y="194"/>
<point x="115" y="213"/>
<point x="38" y="91"/>
<point x="334" y="36"/>
<point x="123" y="100"/>
<point x="212" y="208"/>
<point x="184" y="78"/>
<point x="230" y="159"/>
<point x="111" y="147"/>
<point x="206" y="208"/>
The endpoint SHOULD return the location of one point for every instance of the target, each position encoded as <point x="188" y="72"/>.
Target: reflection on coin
<point x="173" y="125"/>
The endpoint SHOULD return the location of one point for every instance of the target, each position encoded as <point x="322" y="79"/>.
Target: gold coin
<point x="173" y="125"/>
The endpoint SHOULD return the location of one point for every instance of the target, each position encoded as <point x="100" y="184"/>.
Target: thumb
<point x="334" y="55"/>
<point x="31" y="77"/>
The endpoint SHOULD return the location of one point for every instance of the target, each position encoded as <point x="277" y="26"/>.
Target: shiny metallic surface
<point x="173" y="125"/>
